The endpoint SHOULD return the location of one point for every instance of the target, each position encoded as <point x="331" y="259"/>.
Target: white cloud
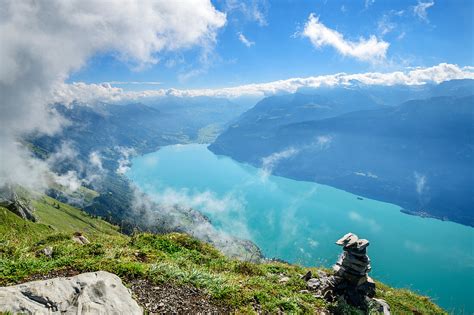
<point x="415" y="247"/>
<point x="252" y="10"/>
<point x="245" y="41"/>
<point x="124" y="160"/>
<point x="170" y="208"/>
<point x="368" y="3"/>
<point x="94" y="171"/>
<point x="385" y="25"/>
<point x="290" y="222"/>
<point x="323" y="142"/>
<point x="392" y="21"/>
<point x="96" y="159"/>
<point x="44" y="41"/>
<point x="91" y="173"/>
<point x="370" y="223"/>
<point x="206" y="200"/>
<point x="313" y="243"/>
<point x="401" y="35"/>
<point x="65" y="152"/>
<point x="420" y="183"/>
<point x="69" y="181"/>
<point x="368" y="174"/>
<point x="419" y="10"/>
<point x="151" y="160"/>
<point x="369" y="50"/>
<point x="89" y="93"/>
<point x="271" y="161"/>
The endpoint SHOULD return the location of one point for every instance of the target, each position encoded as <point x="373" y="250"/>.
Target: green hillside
<point x="176" y="259"/>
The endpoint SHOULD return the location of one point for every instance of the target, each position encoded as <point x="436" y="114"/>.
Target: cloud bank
<point x="370" y="50"/>
<point x="416" y="76"/>
<point x="44" y="41"/>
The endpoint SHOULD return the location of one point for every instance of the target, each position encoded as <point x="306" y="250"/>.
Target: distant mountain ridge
<point x="109" y="130"/>
<point x="419" y="155"/>
<point x="144" y="127"/>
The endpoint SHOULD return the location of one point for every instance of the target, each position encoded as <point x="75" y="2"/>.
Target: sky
<point x="263" y="41"/>
<point x="124" y="50"/>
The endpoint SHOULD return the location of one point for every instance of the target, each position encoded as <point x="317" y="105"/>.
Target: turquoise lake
<point x="299" y="221"/>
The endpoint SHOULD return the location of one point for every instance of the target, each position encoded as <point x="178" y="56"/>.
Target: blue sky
<point x="264" y="41"/>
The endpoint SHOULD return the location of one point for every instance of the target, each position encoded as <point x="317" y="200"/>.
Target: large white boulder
<point x="88" y="293"/>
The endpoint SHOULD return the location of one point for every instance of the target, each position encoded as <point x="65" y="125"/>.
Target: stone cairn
<point x="351" y="271"/>
<point x="350" y="281"/>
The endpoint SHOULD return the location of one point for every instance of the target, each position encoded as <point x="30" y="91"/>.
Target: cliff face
<point x="168" y="272"/>
<point x="20" y="206"/>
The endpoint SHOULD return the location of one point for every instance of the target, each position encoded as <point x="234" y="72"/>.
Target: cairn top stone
<point x="348" y="240"/>
<point x="352" y="241"/>
<point x="362" y="244"/>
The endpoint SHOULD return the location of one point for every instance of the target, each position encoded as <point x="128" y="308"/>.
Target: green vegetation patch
<point x="65" y="218"/>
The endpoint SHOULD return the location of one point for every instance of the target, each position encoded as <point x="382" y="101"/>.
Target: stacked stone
<point x="352" y="268"/>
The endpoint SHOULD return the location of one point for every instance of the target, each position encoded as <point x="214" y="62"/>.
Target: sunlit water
<point x="299" y="221"/>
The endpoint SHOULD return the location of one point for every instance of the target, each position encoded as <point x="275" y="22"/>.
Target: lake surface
<point x="299" y="221"/>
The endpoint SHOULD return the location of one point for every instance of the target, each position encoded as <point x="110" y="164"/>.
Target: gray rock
<point x="79" y="238"/>
<point x="360" y="254"/>
<point x="321" y="273"/>
<point x="47" y="251"/>
<point x="284" y="280"/>
<point x="313" y="284"/>
<point x="88" y="293"/>
<point x="307" y="276"/>
<point x="381" y="306"/>
<point x="357" y="260"/>
<point x="362" y="244"/>
<point x="357" y="268"/>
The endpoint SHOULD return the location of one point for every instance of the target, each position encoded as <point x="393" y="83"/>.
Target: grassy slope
<point x="172" y="257"/>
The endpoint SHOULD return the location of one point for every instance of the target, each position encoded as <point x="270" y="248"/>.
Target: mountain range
<point x="418" y="154"/>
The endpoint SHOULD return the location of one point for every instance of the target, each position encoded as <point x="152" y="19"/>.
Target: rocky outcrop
<point x="88" y="293"/>
<point x="21" y="207"/>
